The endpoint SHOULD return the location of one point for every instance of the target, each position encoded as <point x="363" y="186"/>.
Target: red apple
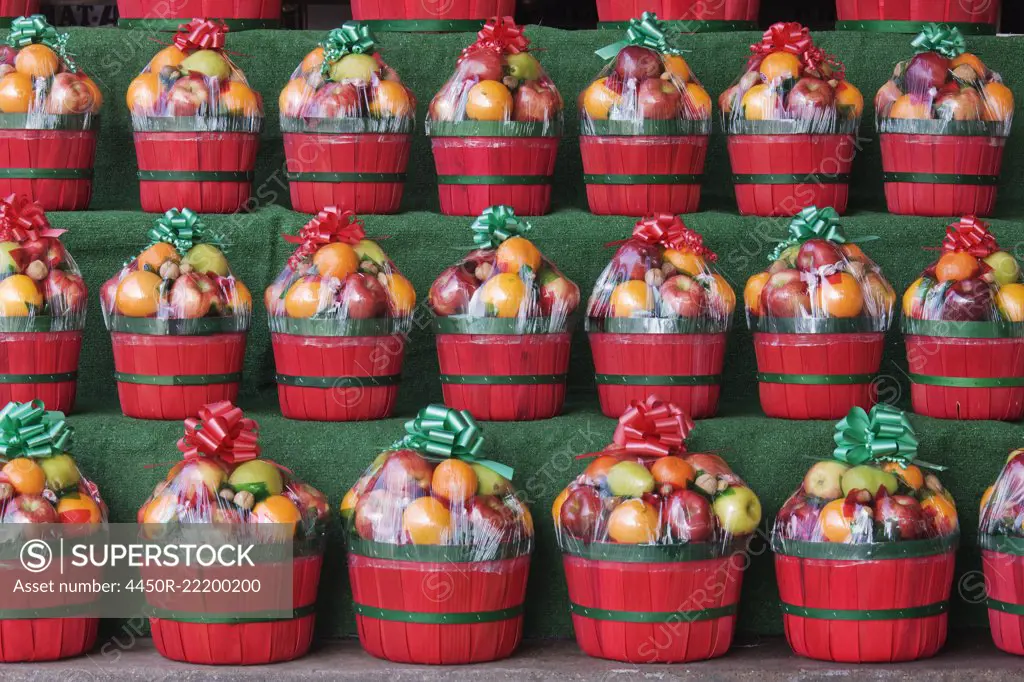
<point x="452" y="290"/>
<point x="535" y="102"/>
<point x="309" y="500"/>
<point x="481" y="64"/>
<point x="108" y="293"/>
<point x="30" y="509"/>
<point x="810" y="98"/>
<point x="558" y="295"/>
<point x="198" y="479"/>
<point x="7" y="54"/>
<point x="336" y="100"/>
<point x="378" y="516"/>
<point x="65" y="291"/>
<point x="712" y="465"/>
<point x="815" y="254"/>
<point x="69" y="94"/>
<point x="688" y="517"/>
<point x="188" y="299"/>
<point x="47" y="249"/>
<point x="887" y="95"/>
<point x="959" y="105"/>
<point x="188" y="96"/>
<point x="634" y="259"/>
<point x="968" y="300"/>
<point x="785" y="295"/>
<point x="658" y="99"/>
<point x="681" y="295"/>
<point x="900" y="516"/>
<point x="581" y="513"/>
<point x="405" y="472"/>
<point x="638" y="63"/>
<point x="362" y="296"/>
<point x="490" y="518"/>
<point x="798" y="519"/>
<point x="926" y="70"/>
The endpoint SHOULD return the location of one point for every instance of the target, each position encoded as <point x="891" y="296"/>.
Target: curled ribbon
<point x="37" y="30"/>
<point x="647" y="31"/>
<point x="352" y="38"/>
<point x="221" y="431"/>
<point x="970" y="235"/>
<point x="652" y="428"/>
<point x="671" y="232"/>
<point x="495" y="225"/>
<point x="182" y="229"/>
<point x="330" y="225"/>
<point x="28" y="430"/>
<point x="201" y="34"/>
<point x="441" y="431"/>
<point x="23" y="220"/>
<point x="812" y="223"/>
<point x="946" y="40"/>
<point x="796" y="39"/>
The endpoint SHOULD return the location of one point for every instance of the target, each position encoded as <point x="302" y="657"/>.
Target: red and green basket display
<point x="978" y="17"/>
<point x="1001" y="537"/>
<point x="687" y="16"/>
<point x="433" y="513"/>
<point x="238" y="15"/>
<point x="864" y="550"/>
<point x="430" y="16"/>
<point x="653" y="543"/>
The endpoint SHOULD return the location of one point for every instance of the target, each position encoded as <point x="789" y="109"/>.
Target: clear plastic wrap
<point x="340" y="305"/>
<point x="1001" y="538"/>
<point x="877" y="526"/>
<point x="433" y="512"/>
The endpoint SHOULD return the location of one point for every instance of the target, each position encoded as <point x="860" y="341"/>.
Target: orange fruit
<point x="303" y="298"/>
<point x="998" y="101"/>
<point x="313" y="61"/>
<point x="556" y="506"/>
<point x="294" y="97"/>
<point x="348" y="503"/>
<point x="597" y="100"/>
<point x="912" y="475"/>
<point x="391" y="99"/>
<point x="942" y="512"/>
<point x="426" y="521"/>
<point x="277" y="509"/>
<point x="402" y="294"/>
<point x="854" y="253"/>
<point x="849" y="99"/>
<point x="836" y="526"/>
<point x="78" y="508"/>
<point x="138" y="294"/>
<point x="599" y="467"/>
<point x="752" y="291"/>
<point x="143" y="93"/>
<point x="97" y="94"/>
<point x="16" y="93"/>
<point x="839" y="295"/>
<point x="504" y="294"/>
<point x="971" y="60"/>
<point x="25" y="474"/>
<point x="761" y="103"/>
<point x="698" y="101"/>
<point x="238" y="295"/>
<point x="909" y="106"/>
<point x="676" y="66"/>
<point x="720" y="290"/>
<point x="239" y="99"/>
<point x="1010" y="299"/>
<point x="632" y="298"/>
<point x="910" y="295"/>
<point x="169" y="56"/>
<point x="37" y="61"/>
<point x="489" y="101"/>
<point x="336" y="260"/>
<point x="454" y="480"/>
<point x="17" y="293"/>
<point x="633" y="522"/>
<point x="986" y="496"/>
<point x="156" y="255"/>
<point x="673" y="470"/>
<point x="780" y="65"/>
<point x="956" y="266"/>
<point x="516" y="252"/>
<point x="686" y="261"/>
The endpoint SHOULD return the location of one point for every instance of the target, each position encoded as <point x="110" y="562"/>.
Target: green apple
<point x="789" y="255"/>
<point x="1004" y="266"/>
<point x="209" y="63"/>
<point x="869" y="478"/>
<point x="824" y="479"/>
<point x="523" y="66"/>
<point x="61" y="472"/>
<point x="8" y="261"/>
<point x="368" y="249"/>
<point x="258" y="477"/>
<point x="489" y="482"/>
<point x="738" y="510"/>
<point x="358" y="67"/>
<point x="630" y="479"/>
<point x="206" y="258"/>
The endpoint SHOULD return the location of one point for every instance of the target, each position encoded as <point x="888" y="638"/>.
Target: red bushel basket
<point x="1003" y="560"/>
<point x="966" y="370"/>
<point x="877" y="603"/>
<point x="910" y="16"/>
<point x="692" y="16"/>
<point x="324" y="374"/>
<point x="436" y="605"/>
<point x="10" y="9"/>
<point x="54" y="166"/>
<point x="654" y="604"/>
<point x="499" y="373"/>
<point x="167" y="15"/>
<point x="429" y="15"/>
<point x="40" y="365"/>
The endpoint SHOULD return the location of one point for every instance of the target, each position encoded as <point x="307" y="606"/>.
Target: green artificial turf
<point x="771" y="454"/>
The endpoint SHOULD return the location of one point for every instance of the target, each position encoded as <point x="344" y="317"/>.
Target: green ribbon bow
<point x="182" y="229"/>
<point x="946" y="40"/>
<point x="446" y="432"/>
<point x="495" y="225"/>
<point x="28" y="430"/>
<point x="647" y="31"/>
<point x="352" y="38"/>
<point x="35" y="29"/>
<point x="884" y="435"/>
<point x="812" y="223"/>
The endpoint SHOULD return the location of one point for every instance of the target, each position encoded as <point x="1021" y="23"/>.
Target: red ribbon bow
<point x="201" y="34"/>
<point x="23" y="220"/>
<point x="502" y="34"/>
<point x="652" y="428"/>
<point x="221" y="431"/>
<point x="671" y="232"/>
<point x="970" y="235"/>
<point x="796" y="39"/>
<point x="330" y="225"/>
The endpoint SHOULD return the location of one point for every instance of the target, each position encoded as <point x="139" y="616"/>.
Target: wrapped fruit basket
<point x="819" y="316"/>
<point x="339" y="312"/>
<point x="49" y="118"/>
<point x="430" y="15"/>
<point x="658" y="320"/>
<point x="963" y="323"/>
<point x="439" y="547"/>
<point x="238" y="15"/>
<point x="42" y="309"/>
<point x="197" y="125"/>
<point x="223" y="481"/>
<point x="1001" y="537"/>
<point x="792" y="120"/>
<point x="495" y="125"/>
<point x="644" y="127"/>
<point x="503" y="320"/>
<point x="653" y="541"/>
<point x="347" y="121"/>
<point x="943" y="120"/>
<point x="177" y="318"/>
<point x="864" y="549"/>
<point x="910" y="16"/>
<point x="40" y="483"/>
<point x="688" y="16"/>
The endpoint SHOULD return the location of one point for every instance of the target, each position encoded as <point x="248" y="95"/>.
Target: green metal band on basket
<point x="503" y="380"/>
<point x="347" y="126"/>
<point x="815" y="379"/>
<point x="644" y="128"/>
<point x="502" y="326"/>
<point x="688" y="26"/>
<point x="652" y="554"/>
<point x="913" y="126"/>
<point x="890" y="26"/>
<point x="1004" y="544"/>
<point x="41" y="323"/>
<point x="223" y="619"/>
<point x="660" y="380"/>
<point x="942" y="179"/>
<point x="46" y="173"/>
<point x="876" y="551"/>
<point x="494" y="179"/>
<point x="679" y="616"/>
<point x="345" y="177"/>
<point x="493" y="128"/>
<point x="657" y="325"/>
<point x="963" y="330"/>
<point x="172" y="25"/>
<point x="388" y="326"/>
<point x="452" y="554"/>
<point x="196" y="176"/>
<point x="199" y="327"/>
<point x="177" y="379"/>
<point x="1005" y="607"/>
<point x="798" y="325"/>
<point x="43" y="121"/>
<point x="424" y="25"/>
<point x="967" y="382"/>
<point x="63" y="611"/>
<point x="433" y="618"/>
<point x="867" y="614"/>
<point x="338" y="382"/>
<point x="57" y="378"/>
<point x="678" y="179"/>
<point x="790" y="178"/>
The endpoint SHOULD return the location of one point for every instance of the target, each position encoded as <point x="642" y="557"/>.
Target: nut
<point x="369" y="266"/>
<point x="170" y="270"/>
<point x="227" y="494"/>
<point x="6" y="491"/>
<point x="655" y="278"/>
<point x="668" y="269"/>
<point x="244" y="499"/>
<point x="707" y="483"/>
<point x="511" y="82"/>
<point x="37" y="270"/>
<point x="185" y="268"/>
<point x="382" y="277"/>
<point x="483" y="271"/>
<point x="863" y="497"/>
<point x="966" y="73"/>
<point x="932" y="482"/>
<point x="723" y="485"/>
